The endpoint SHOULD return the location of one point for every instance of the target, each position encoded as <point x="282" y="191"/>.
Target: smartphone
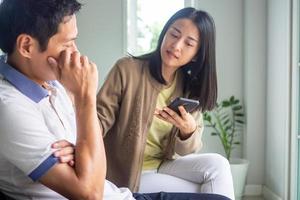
<point x="188" y="104"/>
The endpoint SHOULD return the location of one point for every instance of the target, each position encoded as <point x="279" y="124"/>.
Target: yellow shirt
<point x="159" y="130"/>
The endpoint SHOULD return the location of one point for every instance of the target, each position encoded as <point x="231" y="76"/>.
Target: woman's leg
<point x="211" y="171"/>
<point x="151" y="181"/>
<point x="178" y="196"/>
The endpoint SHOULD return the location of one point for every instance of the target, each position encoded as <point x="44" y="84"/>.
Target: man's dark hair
<point x="37" y="18"/>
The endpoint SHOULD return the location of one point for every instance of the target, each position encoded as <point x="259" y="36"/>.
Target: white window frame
<point x="133" y="30"/>
<point x="294" y="111"/>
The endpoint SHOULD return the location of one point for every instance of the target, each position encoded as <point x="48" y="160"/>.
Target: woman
<point x="146" y="140"/>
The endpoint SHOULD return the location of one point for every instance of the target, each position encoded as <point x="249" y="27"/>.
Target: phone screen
<point x="188" y="104"/>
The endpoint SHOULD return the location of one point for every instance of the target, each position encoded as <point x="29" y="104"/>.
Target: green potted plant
<point x="226" y="122"/>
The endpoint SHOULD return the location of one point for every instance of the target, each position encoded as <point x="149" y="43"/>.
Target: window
<point x="295" y="191"/>
<point x="145" y="20"/>
<point x="297" y="182"/>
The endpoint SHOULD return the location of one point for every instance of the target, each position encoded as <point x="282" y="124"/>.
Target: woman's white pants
<point x="198" y="173"/>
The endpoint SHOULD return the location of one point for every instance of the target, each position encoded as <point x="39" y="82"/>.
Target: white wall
<point x="241" y="63"/>
<point x="228" y="17"/>
<point x="295" y="91"/>
<point x="278" y="97"/>
<point x="101" y="27"/>
<point x="255" y="68"/>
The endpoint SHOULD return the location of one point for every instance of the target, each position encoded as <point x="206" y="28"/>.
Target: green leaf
<point x="239" y="121"/>
<point x="227" y="128"/>
<point x="209" y="126"/>
<point x="225" y="104"/>
<point x="224" y="115"/>
<point x="207" y="118"/>
<point x="214" y="134"/>
<point x="236" y="101"/>
<point x="226" y="122"/>
<point x="237" y="107"/>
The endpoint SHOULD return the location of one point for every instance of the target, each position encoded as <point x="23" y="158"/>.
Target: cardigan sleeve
<point x="109" y="98"/>
<point x="194" y="142"/>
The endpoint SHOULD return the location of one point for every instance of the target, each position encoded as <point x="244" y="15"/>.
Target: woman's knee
<point x="213" y="164"/>
<point x="219" y="162"/>
<point x="219" y="159"/>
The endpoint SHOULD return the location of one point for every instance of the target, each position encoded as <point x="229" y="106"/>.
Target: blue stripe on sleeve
<point x="43" y="168"/>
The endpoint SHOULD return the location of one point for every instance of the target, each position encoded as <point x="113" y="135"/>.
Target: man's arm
<point x="86" y="179"/>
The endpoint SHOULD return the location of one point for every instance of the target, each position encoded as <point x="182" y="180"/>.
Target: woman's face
<point x="180" y="44"/>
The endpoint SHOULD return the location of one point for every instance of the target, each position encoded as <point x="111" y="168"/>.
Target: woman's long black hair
<point x="200" y="77"/>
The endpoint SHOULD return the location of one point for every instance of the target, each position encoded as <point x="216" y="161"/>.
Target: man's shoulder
<point x="13" y="104"/>
<point x="8" y="93"/>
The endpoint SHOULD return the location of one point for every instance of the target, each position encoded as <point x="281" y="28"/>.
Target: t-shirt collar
<point x="26" y="86"/>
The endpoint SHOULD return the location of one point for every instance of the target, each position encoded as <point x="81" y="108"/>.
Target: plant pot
<point x="239" y="169"/>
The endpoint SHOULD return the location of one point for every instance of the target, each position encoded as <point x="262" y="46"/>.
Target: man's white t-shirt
<point x="31" y="120"/>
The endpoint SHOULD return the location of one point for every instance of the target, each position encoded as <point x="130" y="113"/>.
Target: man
<point x="39" y="40"/>
<point x="38" y="121"/>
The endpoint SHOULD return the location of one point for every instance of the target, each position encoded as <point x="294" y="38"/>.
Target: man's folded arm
<point x="86" y="179"/>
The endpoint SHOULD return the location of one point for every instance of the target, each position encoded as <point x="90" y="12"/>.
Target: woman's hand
<point x="64" y="151"/>
<point x="185" y="122"/>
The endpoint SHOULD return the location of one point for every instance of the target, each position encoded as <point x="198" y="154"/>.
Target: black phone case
<point x="188" y="104"/>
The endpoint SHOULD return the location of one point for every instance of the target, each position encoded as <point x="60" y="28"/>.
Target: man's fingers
<point x="75" y="58"/>
<point x="64" y="151"/>
<point x="65" y="58"/>
<point x="62" y="144"/>
<point x="52" y="62"/>
<point x="84" y="60"/>
<point x="55" y="67"/>
<point x="71" y="163"/>
<point x="66" y="159"/>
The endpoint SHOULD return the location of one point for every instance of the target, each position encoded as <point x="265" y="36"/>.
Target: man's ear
<point x="25" y="45"/>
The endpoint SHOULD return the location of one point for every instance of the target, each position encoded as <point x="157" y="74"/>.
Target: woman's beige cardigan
<point x="125" y="105"/>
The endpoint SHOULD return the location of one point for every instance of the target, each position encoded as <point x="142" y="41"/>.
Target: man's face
<point x="64" y="39"/>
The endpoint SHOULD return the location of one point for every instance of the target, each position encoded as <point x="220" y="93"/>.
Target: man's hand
<point x="64" y="151"/>
<point x="76" y="73"/>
